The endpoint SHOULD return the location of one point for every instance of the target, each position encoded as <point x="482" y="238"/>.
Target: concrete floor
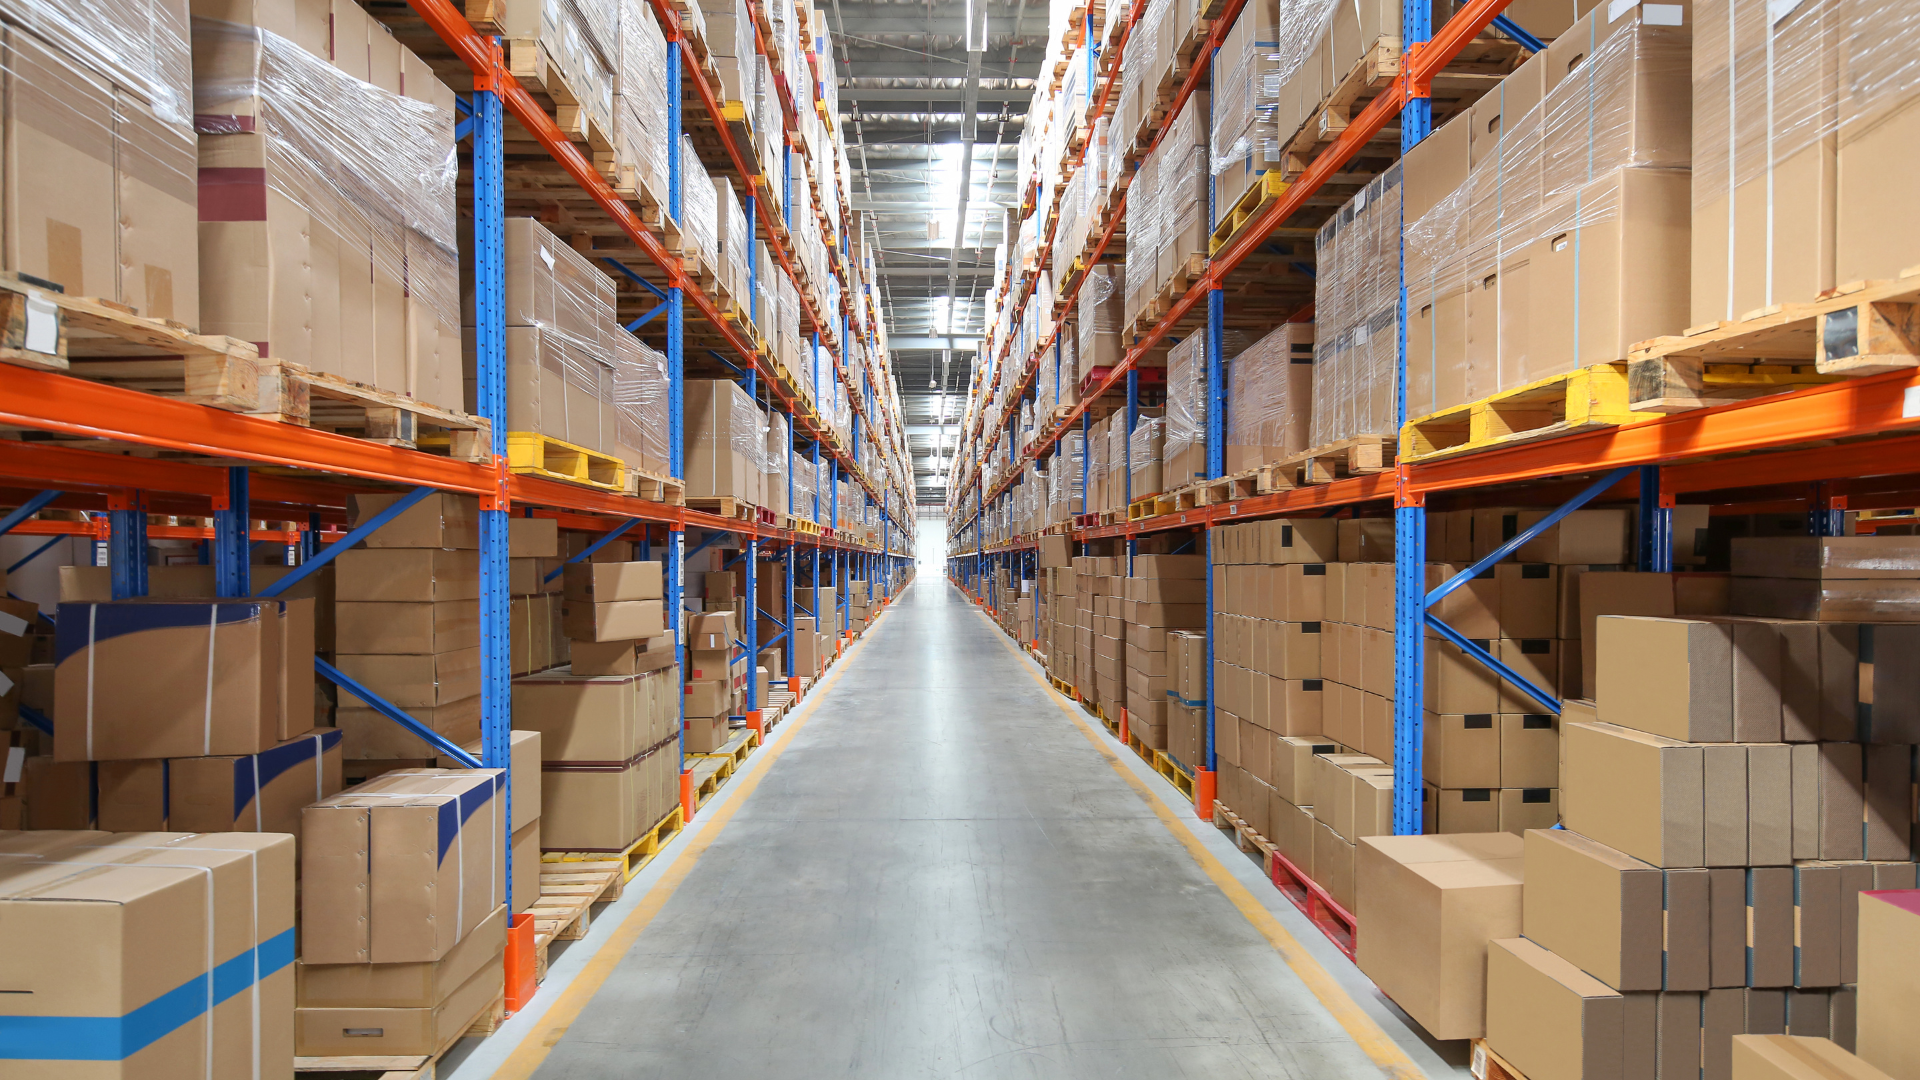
<point x="941" y="876"/>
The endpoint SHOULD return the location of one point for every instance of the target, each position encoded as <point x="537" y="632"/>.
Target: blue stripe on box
<point x="116" y="1038"/>
<point x="77" y="627"/>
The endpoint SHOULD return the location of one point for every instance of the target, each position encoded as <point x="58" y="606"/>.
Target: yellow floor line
<point x="552" y="1027"/>
<point x="1371" y="1039"/>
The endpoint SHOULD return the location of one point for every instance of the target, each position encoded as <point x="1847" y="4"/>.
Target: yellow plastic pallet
<point x="1592" y="397"/>
<point x="1264" y="193"/>
<point x="530" y="453"/>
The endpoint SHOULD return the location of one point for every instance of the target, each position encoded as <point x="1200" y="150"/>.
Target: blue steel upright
<point x="676" y="570"/>
<point x="490" y="390"/>
<point x="233" y="538"/>
<point x="1216" y="386"/>
<point x="1409" y="513"/>
<point x="127" y="545"/>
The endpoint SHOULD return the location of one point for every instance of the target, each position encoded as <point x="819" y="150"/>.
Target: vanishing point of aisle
<point x="941" y="876"/>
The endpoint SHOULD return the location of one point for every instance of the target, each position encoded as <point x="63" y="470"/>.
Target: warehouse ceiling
<point x="911" y="76"/>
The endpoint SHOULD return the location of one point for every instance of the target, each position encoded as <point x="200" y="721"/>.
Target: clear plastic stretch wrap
<point x="1144" y="449"/>
<point x="1269" y="398"/>
<point x="699" y="216"/>
<point x="370" y="173"/>
<point x="1118" y="461"/>
<point x="1258" y="59"/>
<point x="1099" y="459"/>
<point x="1068" y="462"/>
<point x="1143" y="233"/>
<point x="1100" y="320"/>
<point x="731" y="217"/>
<point x="1182" y="189"/>
<point x="640" y="389"/>
<point x="805" y="483"/>
<point x="1186" y="429"/>
<point x="1356" y="305"/>
<point x="139" y="46"/>
<point x="640" y="110"/>
<point x="1521" y="272"/>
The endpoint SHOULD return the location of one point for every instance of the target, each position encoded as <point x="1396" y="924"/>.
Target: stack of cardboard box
<point x="533" y="564"/>
<point x="239" y="755"/>
<point x="608" y="751"/>
<point x="1492" y="751"/>
<point x="716" y="679"/>
<point x="526" y="796"/>
<point x="1733" y="786"/>
<point x="407" y="619"/>
<point x="1100" y="646"/>
<point x="1059" y="612"/>
<point x="399" y="954"/>
<point x="613" y="615"/>
<point x="1166" y="593"/>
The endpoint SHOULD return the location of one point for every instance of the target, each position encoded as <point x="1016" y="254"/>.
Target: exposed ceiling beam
<point x="957" y="344"/>
<point x="865" y="95"/>
<point x="935" y="271"/>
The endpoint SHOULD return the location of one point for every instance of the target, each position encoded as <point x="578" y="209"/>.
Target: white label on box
<point x="1617" y="8"/>
<point x="43" y="324"/>
<point x="12" y="624"/>
<point x="1910" y="403"/>
<point x="1663" y="15"/>
<point x="16" y="764"/>
<point x="1780" y="9"/>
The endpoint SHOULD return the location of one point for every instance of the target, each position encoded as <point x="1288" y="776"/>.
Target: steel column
<point x="232" y="539"/>
<point x="1216" y="390"/>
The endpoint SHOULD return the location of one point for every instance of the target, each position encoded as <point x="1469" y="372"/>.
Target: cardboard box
<point x="1889" y="930"/>
<point x="1827" y="558"/>
<point x="1830" y="600"/>
<point x="1462" y="751"/>
<point x="418" y="985"/>
<point x="262" y="792"/>
<point x="1460" y="810"/>
<point x="1431" y="904"/>
<point x="406" y="1032"/>
<point x="1294" y="767"/>
<point x="395" y="871"/>
<point x="441" y="520"/>
<point x="1790" y="1057"/>
<point x="620" y="620"/>
<point x="603" y="583"/>
<point x="1529" y="750"/>
<point x="705" y="735"/>
<point x="708" y="698"/>
<point x="1333" y="866"/>
<point x="591" y="807"/>
<point x="407" y="628"/>
<point x="1671" y="677"/>
<point x="1556" y="1022"/>
<point x="174" y="709"/>
<point x="533" y="538"/>
<point x="523" y="780"/>
<point x="105" y="926"/>
<point x="412" y="574"/>
<point x="1600" y="909"/>
<point x="1639" y="793"/>
<point x="1584" y="536"/>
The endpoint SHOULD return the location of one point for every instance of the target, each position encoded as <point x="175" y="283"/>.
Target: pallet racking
<point x="169" y="456"/>
<point x="1823" y="449"/>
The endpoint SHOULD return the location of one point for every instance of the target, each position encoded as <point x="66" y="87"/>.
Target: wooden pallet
<point x="634" y="857"/>
<point x="1485" y="1064"/>
<point x="1591" y="397"/>
<point x="1862" y="328"/>
<point x="1478" y="68"/>
<point x="656" y="488"/>
<point x="1264" y="193"/>
<point x="726" y="507"/>
<point x="1358" y="456"/>
<point x="530" y="453"/>
<point x="103" y="341"/>
<point x="1245" y="836"/>
<point x="294" y="394"/>
<point x="533" y="67"/>
<point x="564" y="910"/>
<point x="403" y="1066"/>
<point x="738" y="745"/>
<point x="1152" y="311"/>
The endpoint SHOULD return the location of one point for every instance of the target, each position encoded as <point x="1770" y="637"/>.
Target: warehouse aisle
<point x="940" y="877"/>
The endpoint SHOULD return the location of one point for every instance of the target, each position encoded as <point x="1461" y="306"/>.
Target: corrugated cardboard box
<point x="1556" y="1022"/>
<point x="262" y="792"/>
<point x="606" y="582"/>
<point x="441" y="520"/>
<point x="1431" y="905"/>
<point x="414" y="680"/>
<point x="397" y="1009"/>
<point x="402" y="867"/>
<point x="585" y="720"/>
<point x="175" y="709"/>
<point x="414" y="574"/>
<point x="621" y="620"/>
<point x="1639" y="793"/>
<point x="115" y="926"/>
<point x="1671" y="677"/>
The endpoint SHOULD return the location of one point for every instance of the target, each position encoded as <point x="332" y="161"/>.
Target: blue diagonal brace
<point x="1507" y="26"/>
<point x="1520" y="682"/>
<point x="767" y="615"/>
<point x="365" y="529"/>
<point x="462" y="129"/>
<point x="645" y="319"/>
<point x="776" y="639"/>
<point x="37" y="718"/>
<point x="387" y="709"/>
<point x="37" y="552"/>
<point x="27" y="509"/>
<point x="606" y="538"/>
<point x="731" y="366"/>
<point x="1520" y="539"/>
<point x="633" y="277"/>
<point x="708" y="542"/>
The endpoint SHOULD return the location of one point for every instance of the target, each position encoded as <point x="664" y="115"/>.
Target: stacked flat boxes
<point x="1100" y="632"/>
<point x="1165" y="594"/>
<point x="533" y="614"/>
<point x="1060" y="611"/>
<point x="407" y="621"/>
